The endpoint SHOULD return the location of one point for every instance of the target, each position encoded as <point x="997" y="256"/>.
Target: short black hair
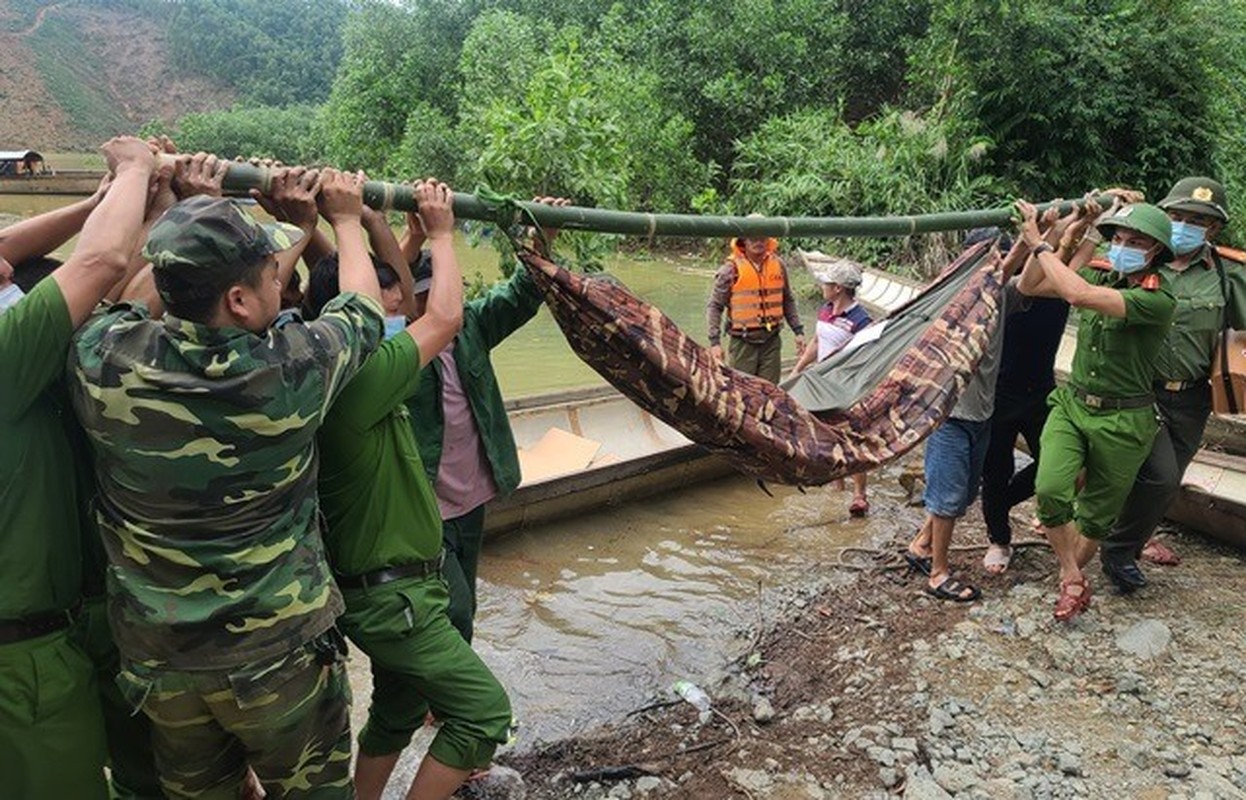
<point x="322" y="284"/>
<point x="28" y="273"/>
<point x="196" y="301"/>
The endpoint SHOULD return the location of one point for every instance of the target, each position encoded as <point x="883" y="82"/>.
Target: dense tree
<point x="275" y="52"/>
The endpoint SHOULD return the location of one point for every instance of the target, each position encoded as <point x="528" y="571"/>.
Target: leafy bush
<point x="813" y="163"/>
<point x="280" y="133"/>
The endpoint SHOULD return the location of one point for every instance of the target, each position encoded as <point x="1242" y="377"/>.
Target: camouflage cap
<point x="844" y="272"/>
<point x="202" y="237"/>
<point x="1198" y="196"/>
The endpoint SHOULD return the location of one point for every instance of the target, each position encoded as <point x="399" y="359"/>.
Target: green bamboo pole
<point x="385" y="196"/>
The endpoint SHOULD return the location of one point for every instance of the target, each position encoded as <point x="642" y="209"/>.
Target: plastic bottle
<point x="696" y="696"/>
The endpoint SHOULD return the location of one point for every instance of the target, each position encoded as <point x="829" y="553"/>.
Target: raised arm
<point x="386" y="247"/>
<point x="443" y="312"/>
<point x="1057" y="280"/>
<point x="40" y="235"/>
<point x="113" y="231"/>
<point x="341" y="203"/>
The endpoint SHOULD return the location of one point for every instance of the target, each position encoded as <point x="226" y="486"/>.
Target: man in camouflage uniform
<point x="51" y="728"/>
<point x="203" y="428"/>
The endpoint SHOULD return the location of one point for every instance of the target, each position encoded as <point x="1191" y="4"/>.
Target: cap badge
<point x="1202" y="193"/>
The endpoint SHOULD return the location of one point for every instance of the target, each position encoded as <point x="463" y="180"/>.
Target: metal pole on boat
<point x="381" y="195"/>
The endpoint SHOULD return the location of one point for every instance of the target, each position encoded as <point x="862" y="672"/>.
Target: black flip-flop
<point x="918" y="563"/>
<point x="951" y="589"/>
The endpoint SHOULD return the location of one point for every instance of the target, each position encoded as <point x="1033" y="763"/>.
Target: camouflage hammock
<point x="853" y="412"/>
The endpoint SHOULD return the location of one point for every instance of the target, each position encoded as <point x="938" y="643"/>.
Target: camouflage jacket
<point x="204" y="444"/>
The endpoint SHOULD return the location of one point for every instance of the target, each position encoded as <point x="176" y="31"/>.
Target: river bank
<point x="865" y="687"/>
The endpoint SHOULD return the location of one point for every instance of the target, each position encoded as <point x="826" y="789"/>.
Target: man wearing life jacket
<point x="752" y="286"/>
<point x="1210" y="286"/>
<point x="1104" y="419"/>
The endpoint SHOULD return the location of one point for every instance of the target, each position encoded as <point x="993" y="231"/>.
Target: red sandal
<point x="859" y="508"/>
<point x="1070" y="604"/>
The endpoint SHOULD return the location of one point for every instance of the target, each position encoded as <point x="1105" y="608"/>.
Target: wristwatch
<point x="1044" y="247"/>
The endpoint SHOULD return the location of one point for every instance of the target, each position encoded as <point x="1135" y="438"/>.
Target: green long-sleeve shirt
<point x="1187" y="350"/>
<point x="487" y="321"/>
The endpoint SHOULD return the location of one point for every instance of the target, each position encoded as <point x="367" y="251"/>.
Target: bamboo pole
<point x="399" y="197"/>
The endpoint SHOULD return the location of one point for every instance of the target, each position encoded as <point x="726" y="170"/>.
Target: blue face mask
<point x="394" y="326"/>
<point x="1187" y="237"/>
<point x="1127" y="260"/>
<point x="9" y="296"/>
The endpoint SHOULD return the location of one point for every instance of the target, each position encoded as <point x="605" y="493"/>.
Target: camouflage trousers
<point x="287" y="718"/>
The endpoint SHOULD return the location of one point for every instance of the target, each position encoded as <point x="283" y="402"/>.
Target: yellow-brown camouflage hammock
<point x="762" y="429"/>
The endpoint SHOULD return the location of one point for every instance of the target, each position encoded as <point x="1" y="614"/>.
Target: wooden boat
<point x="585" y="449"/>
<point x="71" y="182"/>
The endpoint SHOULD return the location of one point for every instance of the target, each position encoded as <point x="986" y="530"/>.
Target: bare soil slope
<point x="72" y="74"/>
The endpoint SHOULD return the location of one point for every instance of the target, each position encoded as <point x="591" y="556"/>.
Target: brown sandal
<point x="1070" y="604"/>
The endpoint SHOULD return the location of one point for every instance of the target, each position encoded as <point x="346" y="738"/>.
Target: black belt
<point x="420" y="569"/>
<point x="1180" y="386"/>
<point x="19" y="630"/>
<point x="1112" y="403"/>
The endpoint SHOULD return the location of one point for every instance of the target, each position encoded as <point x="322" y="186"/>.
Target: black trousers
<point x="1002" y="488"/>
<point x="1183" y="418"/>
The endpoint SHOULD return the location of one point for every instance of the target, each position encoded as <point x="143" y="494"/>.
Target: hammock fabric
<point x="760" y="428"/>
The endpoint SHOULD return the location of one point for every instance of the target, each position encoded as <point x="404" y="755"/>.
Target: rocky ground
<point x="868" y="688"/>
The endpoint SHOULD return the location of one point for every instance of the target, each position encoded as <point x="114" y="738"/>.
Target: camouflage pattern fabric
<point x="757" y="426"/>
<point x="288" y="718"/>
<point x="205" y="455"/>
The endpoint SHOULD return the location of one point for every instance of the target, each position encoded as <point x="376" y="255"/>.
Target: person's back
<point x="203" y="431"/>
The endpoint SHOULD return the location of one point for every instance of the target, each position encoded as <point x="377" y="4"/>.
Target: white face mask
<point x="9" y="296"/>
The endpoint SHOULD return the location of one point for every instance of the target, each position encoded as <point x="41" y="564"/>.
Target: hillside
<point x="72" y="74"/>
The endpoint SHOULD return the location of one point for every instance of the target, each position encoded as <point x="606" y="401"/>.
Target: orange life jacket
<point x="757" y="294"/>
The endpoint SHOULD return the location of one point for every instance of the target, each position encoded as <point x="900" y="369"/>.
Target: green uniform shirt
<point x="1115" y="356"/>
<point x="378" y="505"/>
<point x="487" y="321"/>
<point x="206" y="462"/>
<point x="1191" y="341"/>
<point x="40" y="545"/>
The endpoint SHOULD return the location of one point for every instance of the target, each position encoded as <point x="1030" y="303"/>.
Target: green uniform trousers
<point x="287" y="717"/>
<point x="420" y="662"/>
<point x="761" y="359"/>
<point x="51" y="726"/>
<point x="130" y="759"/>
<point x="1111" y="445"/>
<point x="462" y="538"/>
<point x="1184" y="418"/>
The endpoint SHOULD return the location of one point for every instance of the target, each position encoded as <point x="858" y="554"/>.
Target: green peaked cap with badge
<point x="1198" y="196"/>
<point x="202" y="239"/>
<point x="1144" y="218"/>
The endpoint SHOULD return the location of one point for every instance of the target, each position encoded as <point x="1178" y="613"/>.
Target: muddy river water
<point x="588" y="618"/>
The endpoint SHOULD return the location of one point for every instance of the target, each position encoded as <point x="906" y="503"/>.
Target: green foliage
<point x="899" y="163"/>
<point x="275" y="52"/>
<point x="1224" y="64"/>
<point x="1078" y="94"/>
<point x="430" y="146"/>
<point x="280" y="133"/>
<point x="395" y="57"/>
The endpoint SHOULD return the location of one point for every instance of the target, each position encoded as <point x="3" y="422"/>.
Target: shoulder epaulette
<point x="1100" y="263"/>
<point x="1150" y="282"/>
<point x="1231" y="254"/>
